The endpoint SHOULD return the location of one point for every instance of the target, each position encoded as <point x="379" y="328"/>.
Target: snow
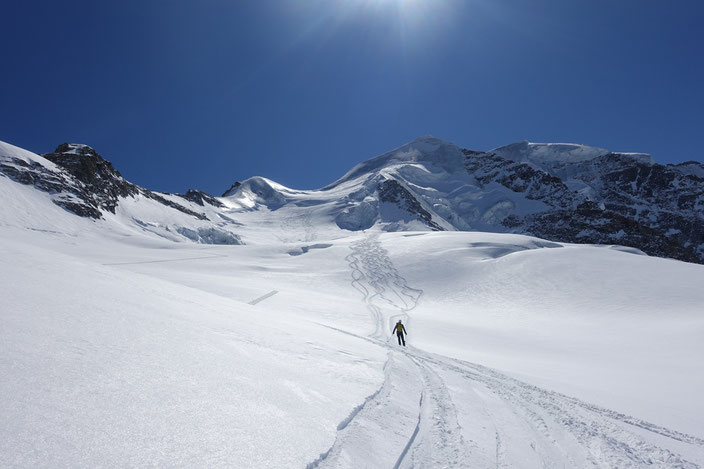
<point x="76" y="148"/>
<point x="9" y="152"/>
<point x="126" y="344"/>
<point x="143" y="352"/>
<point x="428" y="168"/>
<point x="549" y="153"/>
<point x="641" y="157"/>
<point x="690" y="168"/>
<point x="107" y="367"/>
<point x="550" y="156"/>
<point x="438" y="153"/>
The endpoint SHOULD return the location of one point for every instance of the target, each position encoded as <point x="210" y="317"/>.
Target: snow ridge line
<point x="413" y="436"/>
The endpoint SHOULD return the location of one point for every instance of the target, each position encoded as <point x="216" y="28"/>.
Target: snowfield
<point x="521" y="353"/>
<point x="120" y="347"/>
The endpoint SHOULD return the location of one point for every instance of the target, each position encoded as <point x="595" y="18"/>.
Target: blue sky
<point x="185" y="94"/>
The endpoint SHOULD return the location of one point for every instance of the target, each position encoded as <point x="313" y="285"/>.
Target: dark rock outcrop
<point x="519" y="177"/>
<point x="100" y="186"/>
<point x="392" y="191"/>
<point x="622" y="200"/>
<point x="232" y="189"/>
<point x="201" y="198"/>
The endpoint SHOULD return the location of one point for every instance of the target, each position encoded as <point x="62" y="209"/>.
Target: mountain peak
<point x="75" y="149"/>
<point x="427" y="149"/>
<point x="258" y="191"/>
<point x="82" y="162"/>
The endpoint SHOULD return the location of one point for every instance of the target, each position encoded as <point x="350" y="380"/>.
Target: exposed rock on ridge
<point x="615" y="199"/>
<point x="100" y="185"/>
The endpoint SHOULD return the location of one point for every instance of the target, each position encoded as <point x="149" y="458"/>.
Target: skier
<point x="400" y="330"/>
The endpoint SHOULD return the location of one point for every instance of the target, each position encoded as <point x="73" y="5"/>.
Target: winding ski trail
<point x="434" y="411"/>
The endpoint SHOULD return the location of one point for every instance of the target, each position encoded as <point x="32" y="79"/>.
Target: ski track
<point x="213" y="256"/>
<point x="562" y="431"/>
<point x="263" y="297"/>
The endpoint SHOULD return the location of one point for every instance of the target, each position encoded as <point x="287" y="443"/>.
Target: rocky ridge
<point x="98" y="185"/>
<point x="78" y="179"/>
<point x="611" y="199"/>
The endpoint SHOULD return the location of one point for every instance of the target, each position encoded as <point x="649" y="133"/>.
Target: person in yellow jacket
<point x="400" y="330"/>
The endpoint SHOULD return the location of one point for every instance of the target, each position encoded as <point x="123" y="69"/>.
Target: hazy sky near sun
<point x="197" y="94"/>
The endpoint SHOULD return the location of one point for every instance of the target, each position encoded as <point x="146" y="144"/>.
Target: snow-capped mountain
<point x="253" y="329"/>
<point x="79" y="180"/>
<point x="560" y="192"/>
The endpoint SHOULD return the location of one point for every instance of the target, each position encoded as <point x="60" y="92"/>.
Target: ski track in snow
<point x="562" y="431"/>
<point x="263" y="297"/>
<point x="160" y="261"/>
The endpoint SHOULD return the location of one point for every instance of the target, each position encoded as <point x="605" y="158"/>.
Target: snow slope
<point x="131" y="351"/>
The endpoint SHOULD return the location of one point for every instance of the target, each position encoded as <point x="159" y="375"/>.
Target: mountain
<point x="559" y="192"/>
<point x="79" y="180"/>
<point x="145" y="329"/>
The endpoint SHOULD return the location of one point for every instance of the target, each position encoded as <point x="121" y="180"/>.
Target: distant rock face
<point x="609" y="199"/>
<point x="201" y="198"/>
<point x="523" y="178"/>
<point x="100" y="185"/>
<point x="232" y="189"/>
<point x="86" y="185"/>
<point x="391" y="191"/>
